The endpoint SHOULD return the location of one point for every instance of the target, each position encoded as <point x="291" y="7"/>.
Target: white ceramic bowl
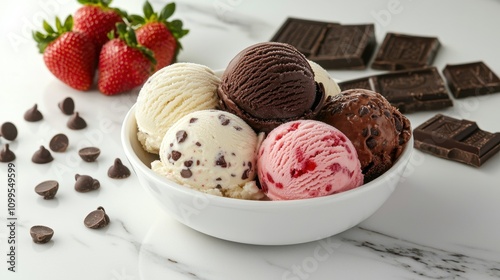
<point x="260" y="222"/>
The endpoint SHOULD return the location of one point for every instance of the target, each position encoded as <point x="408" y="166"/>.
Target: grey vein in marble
<point x="422" y="260"/>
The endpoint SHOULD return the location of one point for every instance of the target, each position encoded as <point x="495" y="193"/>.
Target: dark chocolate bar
<point x="409" y="91"/>
<point x="471" y="79"/>
<point x="454" y="139"/>
<point x="331" y="45"/>
<point x="400" y="52"/>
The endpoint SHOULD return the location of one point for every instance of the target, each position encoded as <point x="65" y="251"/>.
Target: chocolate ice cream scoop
<point x="268" y="84"/>
<point x="378" y="130"/>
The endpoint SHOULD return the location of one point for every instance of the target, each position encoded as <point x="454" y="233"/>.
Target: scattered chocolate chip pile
<point x="41" y="234"/>
<point x="47" y="189"/>
<point x="33" y="115"/>
<point x="97" y="219"/>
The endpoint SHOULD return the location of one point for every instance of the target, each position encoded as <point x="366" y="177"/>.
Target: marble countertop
<point x="442" y="222"/>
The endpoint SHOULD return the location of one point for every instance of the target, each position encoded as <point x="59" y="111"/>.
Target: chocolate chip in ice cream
<point x="67" y="106"/>
<point x="89" y="154"/>
<point x="118" y="170"/>
<point x="33" y="114"/>
<point x="97" y="219"/>
<point x="47" y="189"/>
<point x="76" y="122"/>
<point x="59" y="143"/>
<point x="6" y="155"/>
<point x="181" y="136"/>
<point x="85" y="183"/>
<point x="42" y="156"/>
<point x="8" y="131"/>
<point x="41" y="234"/>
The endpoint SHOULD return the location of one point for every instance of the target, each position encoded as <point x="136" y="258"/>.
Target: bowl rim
<point x="130" y="121"/>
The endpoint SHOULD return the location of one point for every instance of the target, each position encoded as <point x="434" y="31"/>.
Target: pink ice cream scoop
<point x="306" y="159"/>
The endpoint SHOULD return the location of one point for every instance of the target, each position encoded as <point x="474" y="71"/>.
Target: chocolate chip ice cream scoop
<point x="377" y="129"/>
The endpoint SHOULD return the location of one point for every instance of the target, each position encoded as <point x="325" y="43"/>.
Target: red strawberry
<point x="97" y="19"/>
<point x="70" y="56"/>
<point x="123" y="63"/>
<point x="158" y="34"/>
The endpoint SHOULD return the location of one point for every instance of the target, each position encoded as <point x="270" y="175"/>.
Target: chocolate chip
<point x="96" y="219"/>
<point x="398" y="123"/>
<point x="67" y="106"/>
<point x="8" y="130"/>
<point x="374" y="131"/>
<point x="59" y="143"/>
<point x="33" y="115"/>
<point x="218" y="179"/>
<point x="188" y="163"/>
<point x="118" y="170"/>
<point x="186" y="173"/>
<point x="76" y="122"/>
<point x="224" y="120"/>
<point x="42" y="156"/>
<point x="6" y="155"/>
<point x="363" y="111"/>
<point x="193" y="120"/>
<point x="41" y="234"/>
<point x="89" y="154"/>
<point x="47" y="189"/>
<point x="176" y="155"/>
<point x="181" y="136"/>
<point x="85" y="183"/>
<point x="245" y="174"/>
<point x="221" y="161"/>
<point x="387" y="113"/>
<point x="371" y="143"/>
<point x="238" y="128"/>
<point x="198" y="144"/>
<point x="364" y="132"/>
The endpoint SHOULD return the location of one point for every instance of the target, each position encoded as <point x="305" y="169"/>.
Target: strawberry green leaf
<point x="136" y="20"/>
<point x="47" y="27"/>
<point x="68" y="23"/>
<point x="59" y="26"/>
<point x="148" y="10"/>
<point x="167" y="11"/>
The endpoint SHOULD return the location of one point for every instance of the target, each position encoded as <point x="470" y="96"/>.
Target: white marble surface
<point x="443" y="221"/>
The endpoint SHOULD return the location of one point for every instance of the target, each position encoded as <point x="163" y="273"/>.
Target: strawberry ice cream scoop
<point x="306" y="159"/>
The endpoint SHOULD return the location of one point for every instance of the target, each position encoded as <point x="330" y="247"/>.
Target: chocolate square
<point x="331" y="45"/>
<point x="471" y="79"/>
<point x="400" y="51"/>
<point x="409" y="91"/>
<point x="454" y="139"/>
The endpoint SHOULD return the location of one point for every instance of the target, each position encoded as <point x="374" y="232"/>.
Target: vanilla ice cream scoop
<point x="211" y="151"/>
<point x="168" y="95"/>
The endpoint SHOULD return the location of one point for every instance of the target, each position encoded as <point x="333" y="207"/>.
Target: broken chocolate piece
<point x="97" y="219"/>
<point x="454" y="139"/>
<point x="33" y="115"/>
<point x="409" y="91"/>
<point x="118" y="170"/>
<point x="8" y="131"/>
<point x="67" y="106"/>
<point x="471" y="79"/>
<point x="76" y="122"/>
<point x="41" y="234"/>
<point x="89" y="154"/>
<point x="59" y="143"/>
<point x="42" y="156"/>
<point x="85" y="183"/>
<point x="47" y="189"/>
<point x="6" y="155"/>
<point x="400" y="52"/>
<point x="331" y="45"/>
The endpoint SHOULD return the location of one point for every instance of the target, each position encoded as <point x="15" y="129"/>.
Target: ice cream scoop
<point x="211" y="151"/>
<point x="376" y="128"/>
<point x="268" y="84"/>
<point x="306" y="159"/>
<point x="322" y="76"/>
<point x="168" y="95"/>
